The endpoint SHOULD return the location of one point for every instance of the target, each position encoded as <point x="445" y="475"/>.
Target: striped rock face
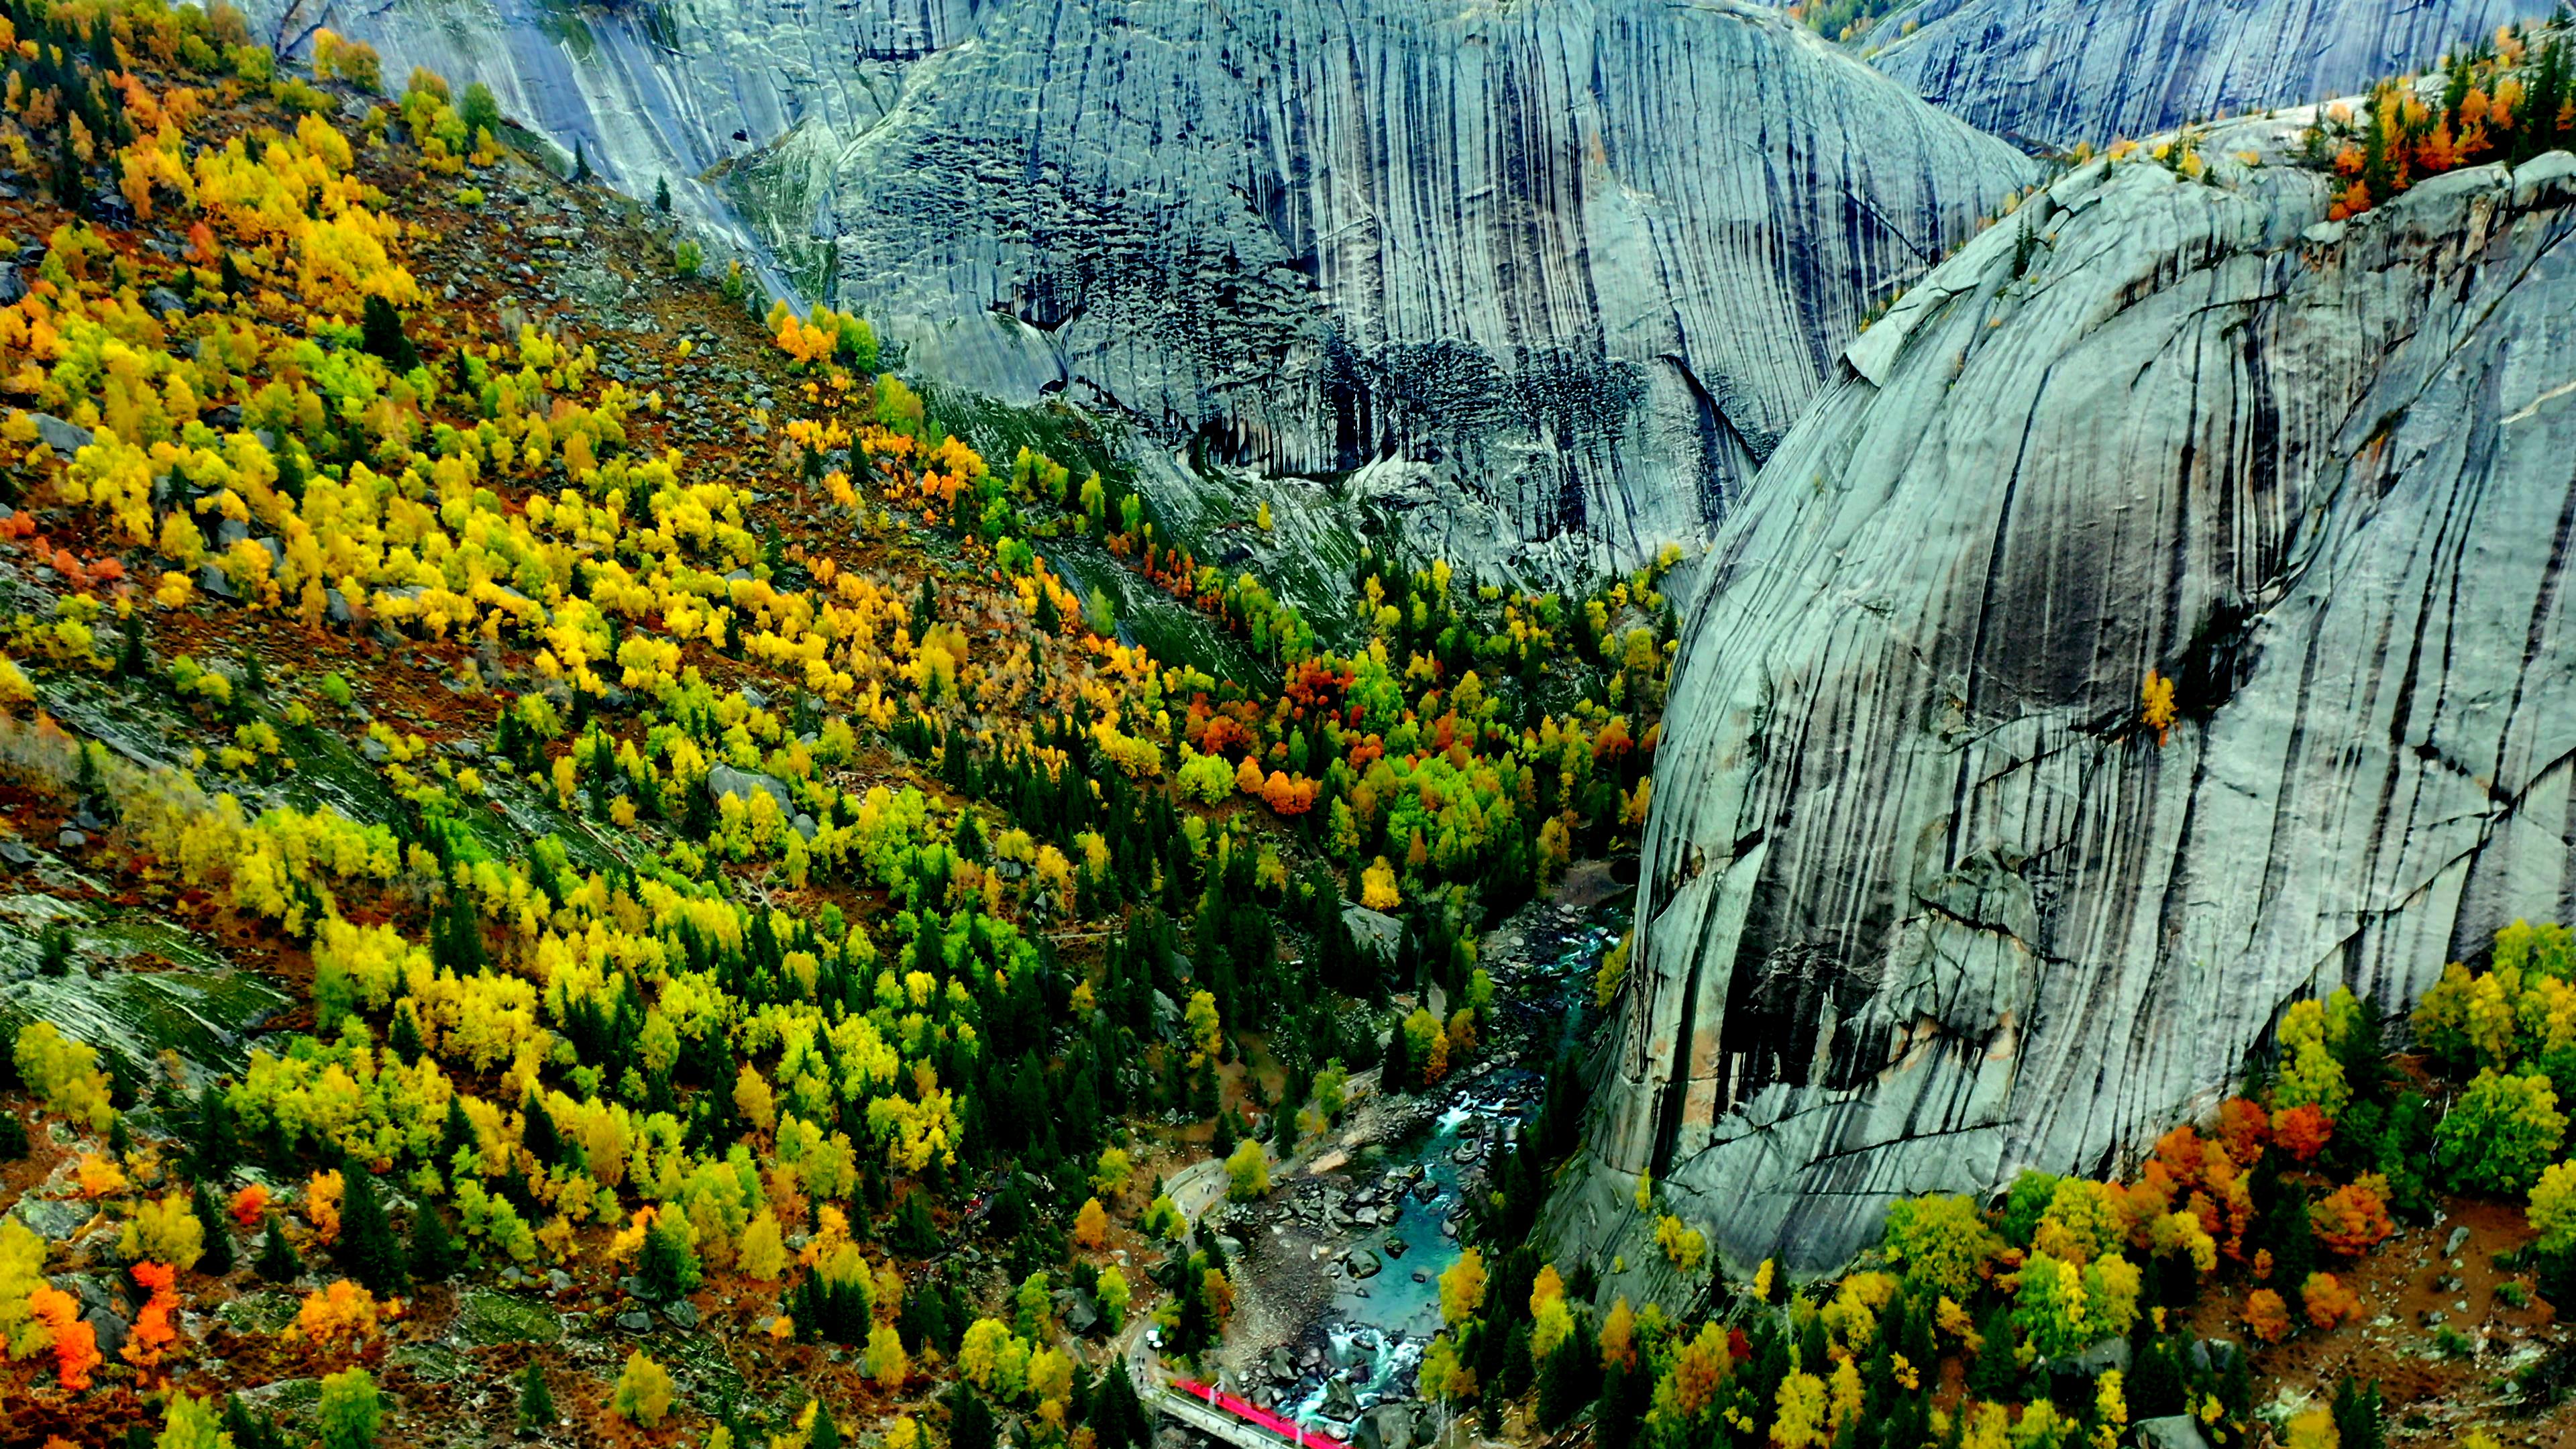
<point x="1541" y="282"/>
<point x="2052" y="73"/>
<point x="1926" y="901"/>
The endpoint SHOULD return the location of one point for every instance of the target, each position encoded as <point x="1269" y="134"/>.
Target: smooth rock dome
<point x="1925" y="901"/>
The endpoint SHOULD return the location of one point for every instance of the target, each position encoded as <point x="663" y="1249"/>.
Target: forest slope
<point x="1548" y="280"/>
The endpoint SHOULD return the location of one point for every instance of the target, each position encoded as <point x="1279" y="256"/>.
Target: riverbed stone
<point x="1362" y="1263"/>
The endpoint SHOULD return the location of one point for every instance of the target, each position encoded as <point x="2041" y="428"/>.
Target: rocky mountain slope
<point x="1548" y="279"/>
<point x="1926" y="896"/>
<point x="2054" y="73"/>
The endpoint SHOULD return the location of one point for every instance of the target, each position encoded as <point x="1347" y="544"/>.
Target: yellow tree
<point x="1091" y="1225"/>
<point x="1247" y="1172"/>
<point x="1462" y="1288"/>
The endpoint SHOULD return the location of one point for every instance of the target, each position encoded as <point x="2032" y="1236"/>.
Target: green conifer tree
<point x="433" y="1251"/>
<point x="536" y="1401"/>
<point x="217" y="1259"/>
<point x="367" y="1246"/>
<point x="277" y="1260"/>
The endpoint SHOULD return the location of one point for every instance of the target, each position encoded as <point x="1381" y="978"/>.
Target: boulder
<point x="1362" y="1263"/>
<point x="1925" y="898"/>
<point x="1373" y="931"/>
<point x="725" y="780"/>
<point x="2103" y="1357"/>
<point x="110" y="1328"/>
<point x="1388" y="1426"/>
<point x="64" y="438"/>
<point x="2169" y="1431"/>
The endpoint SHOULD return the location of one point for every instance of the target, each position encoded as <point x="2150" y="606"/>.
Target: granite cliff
<point x="2054" y="72"/>
<point x="1925" y="900"/>
<point x="1543" y="283"/>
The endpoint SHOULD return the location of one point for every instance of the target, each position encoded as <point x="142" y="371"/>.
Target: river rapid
<point x="1345" y="1259"/>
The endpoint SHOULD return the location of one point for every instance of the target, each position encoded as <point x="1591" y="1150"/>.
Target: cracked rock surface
<point x="1542" y="282"/>
<point x="1924" y="902"/>
<point x="2056" y="72"/>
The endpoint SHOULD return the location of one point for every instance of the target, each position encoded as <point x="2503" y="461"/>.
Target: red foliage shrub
<point x="2302" y="1130"/>
<point x="2267" y="1316"/>
<point x="2353" y="1218"/>
<point x="2244" y="1128"/>
<point x="2328" y="1302"/>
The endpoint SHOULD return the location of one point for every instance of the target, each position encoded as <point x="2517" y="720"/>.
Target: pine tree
<point x="1614" y="1422"/>
<point x="580" y="161"/>
<point x="250" y="1431"/>
<point x="214" y="1148"/>
<point x="434" y="1251"/>
<point x="2236" y="1385"/>
<point x="536" y="1401"/>
<point x="1117" y="1416"/>
<point x="1568" y="1378"/>
<point x="457" y="1136"/>
<point x="1996" y="1374"/>
<point x="914" y="1232"/>
<point x="662" y="195"/>
<point x="132" y="659"/>
<point x="670" y="1266"/>
<point x="540" y="1137"/>
<point x="380" y="333"/>
<point x="277" y="1260"/>
<point x="970" y="1423"/>
<point x="826" y="1434"/>
<point x="367" y="1246"/>
<point x="405" y="1036"/>
<point x="2358" y="1416"/>
<point x="217" y="1259"/>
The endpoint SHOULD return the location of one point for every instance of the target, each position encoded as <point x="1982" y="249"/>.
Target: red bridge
<point x="1275" y="1429"/>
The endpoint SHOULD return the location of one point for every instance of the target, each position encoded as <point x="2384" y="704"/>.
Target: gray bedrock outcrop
<point x="1541" y="280"/>
<point x="2055" y="72"/>
<point x="1922" y="903"/>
